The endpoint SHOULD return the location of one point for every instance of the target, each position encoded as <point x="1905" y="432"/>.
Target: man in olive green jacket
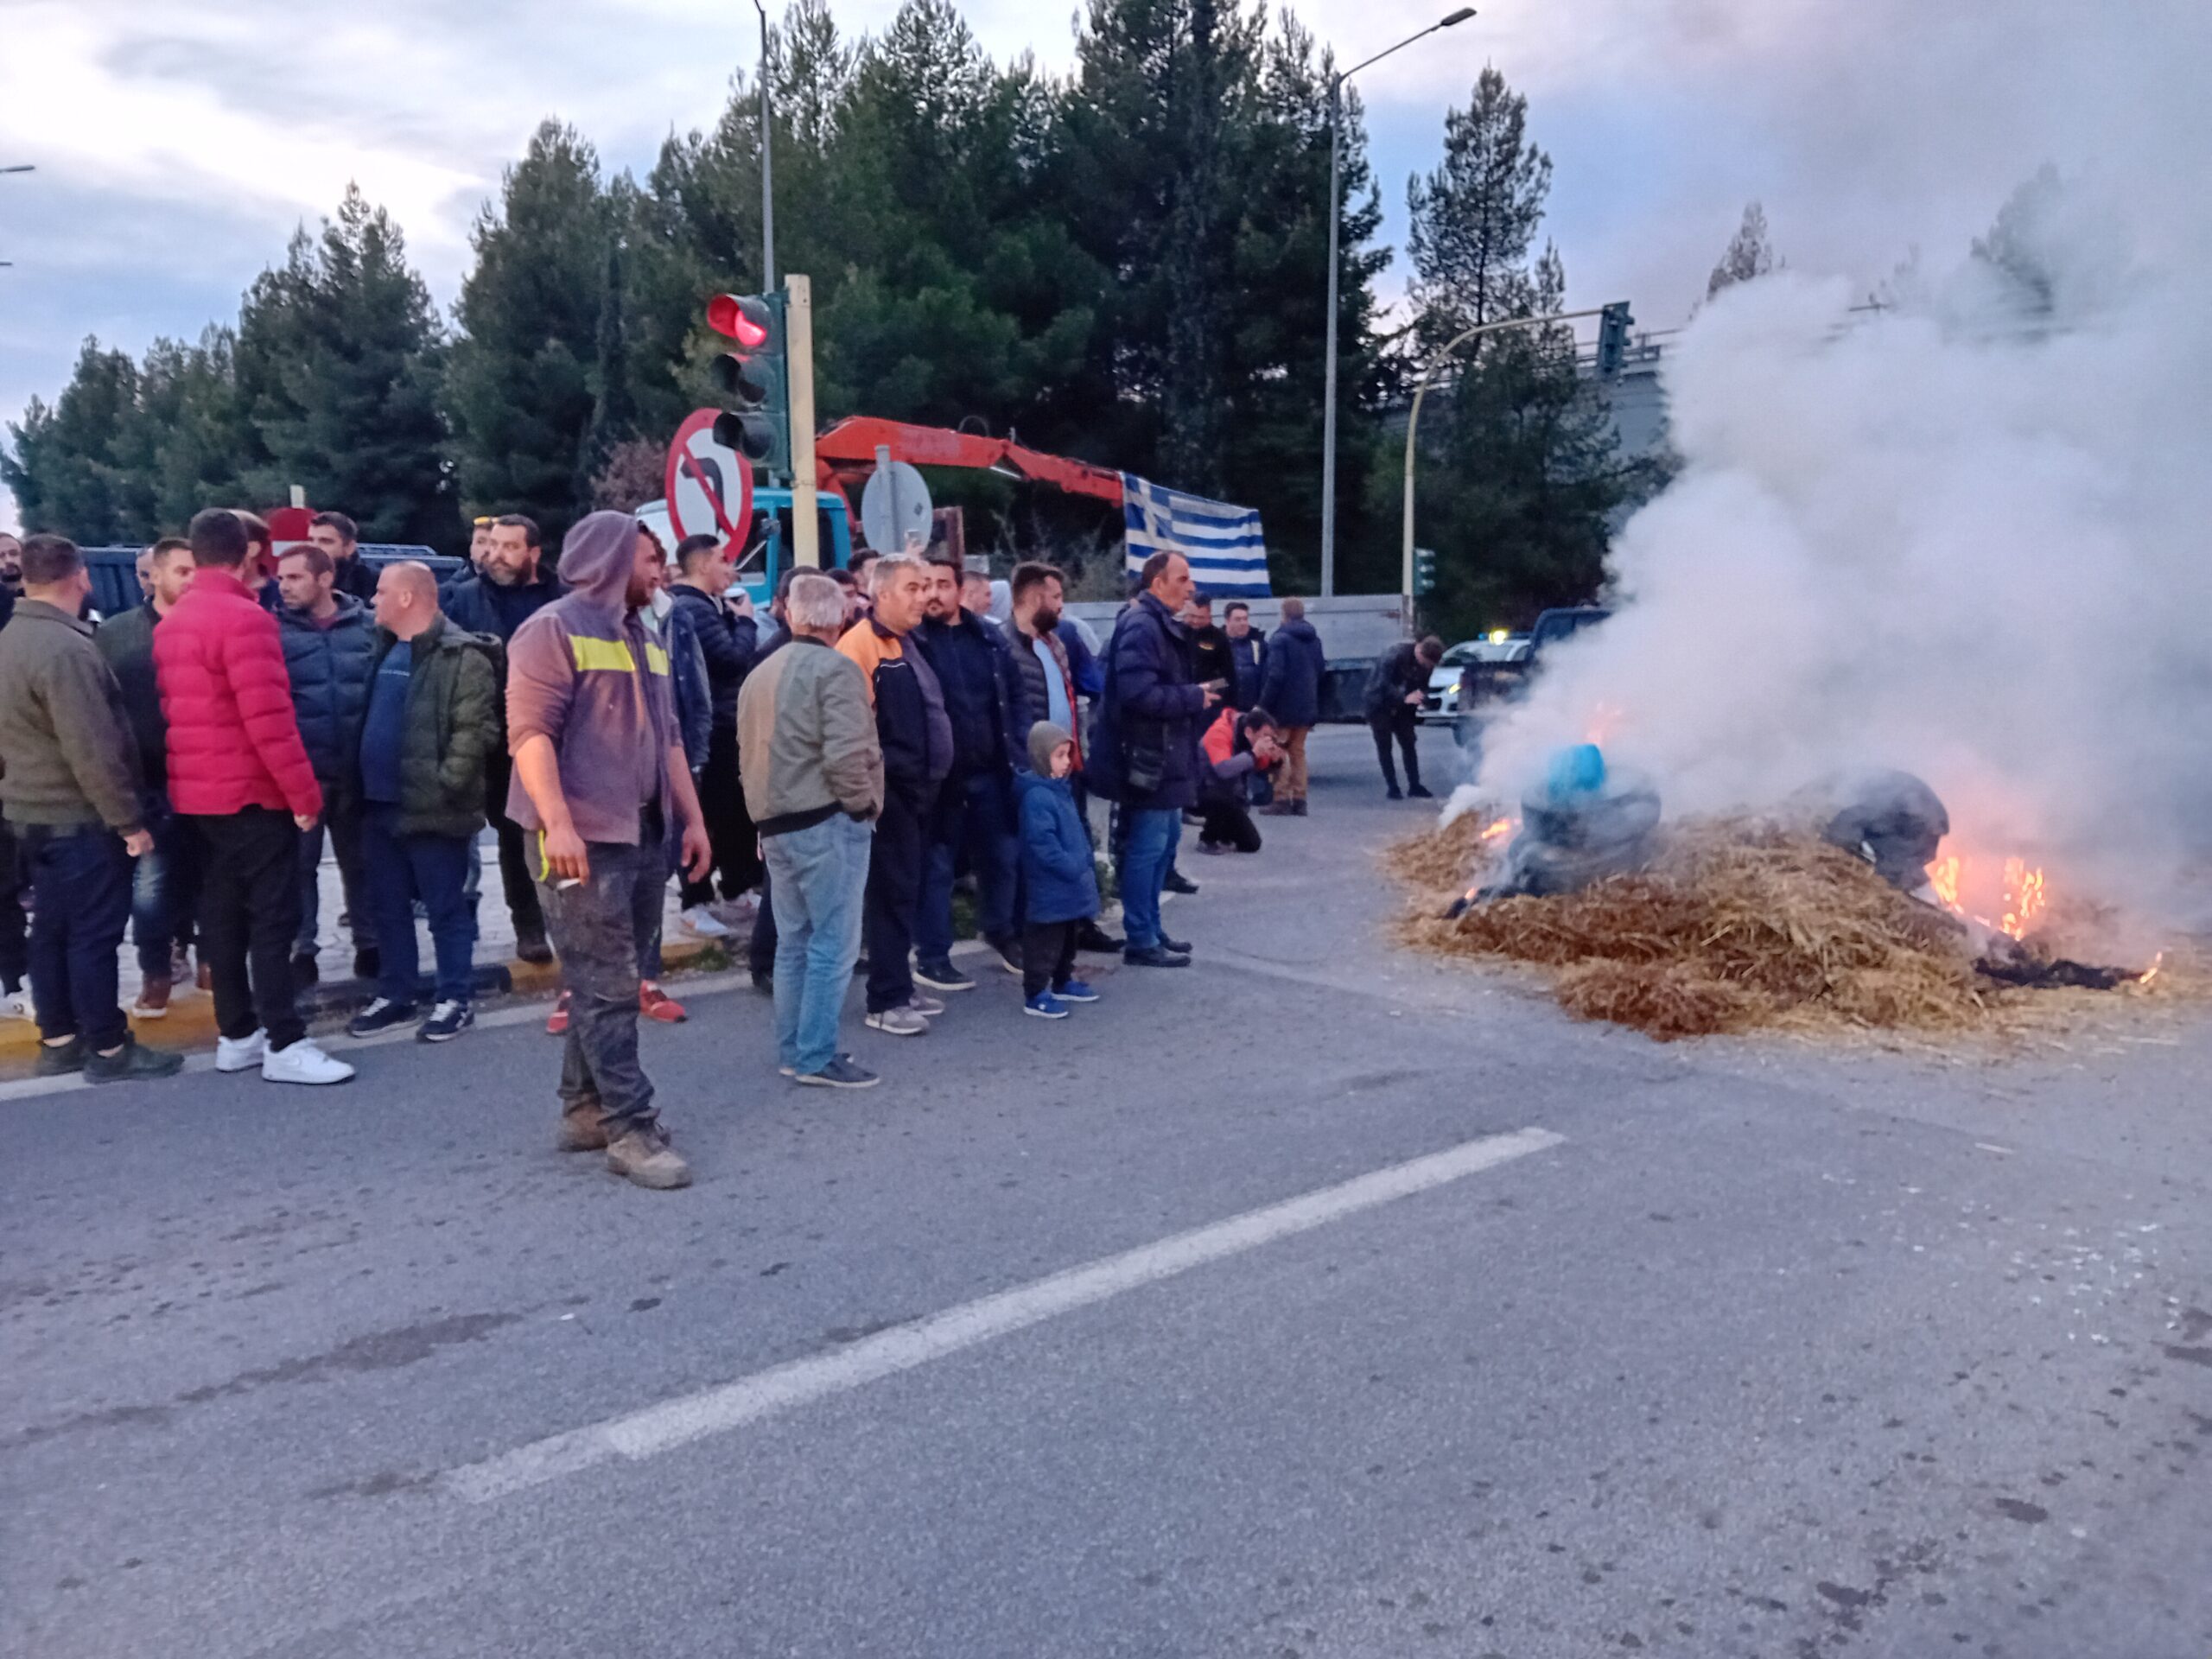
<point x="433" y="721"/>
<point x="70" y="781"/>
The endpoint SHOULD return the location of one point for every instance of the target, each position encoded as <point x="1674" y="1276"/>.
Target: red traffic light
<point x="742" y="317"/>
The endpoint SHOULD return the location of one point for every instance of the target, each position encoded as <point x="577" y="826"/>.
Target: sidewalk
<point x="190" y="1021"/>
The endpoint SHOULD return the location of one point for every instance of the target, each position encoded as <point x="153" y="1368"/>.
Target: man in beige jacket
<point x="813" y="774"/>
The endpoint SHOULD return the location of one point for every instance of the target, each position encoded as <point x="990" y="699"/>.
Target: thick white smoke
<point x="1969" y="536"/>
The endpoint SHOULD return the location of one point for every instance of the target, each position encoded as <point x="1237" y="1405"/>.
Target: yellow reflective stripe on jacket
<point x="612" y="654"/>
<point x="544" y="863"/>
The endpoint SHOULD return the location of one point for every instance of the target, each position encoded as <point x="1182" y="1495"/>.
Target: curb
<point x="190" y="1024"/>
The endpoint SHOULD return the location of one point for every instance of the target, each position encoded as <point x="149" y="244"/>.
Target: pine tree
<point x="337" y="363"/>
<point x="1518" y="470"/>
<point x="1749" y="254"/>
<point x="62" y="468"/>
<point x="518" y="389"/>
<point x="1475" y="218"/>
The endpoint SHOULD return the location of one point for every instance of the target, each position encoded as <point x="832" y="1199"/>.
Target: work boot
<point x="531" y="945"/>
<point x="1280" y="809"/>
<point x="153" y="1002"/>
<point x="58" y="1059"/>
<point x="583" y="1127"/>
<point x="129" y="1063"/>
<point x="644" y="1158"/>
<point x="1298" y="808"/>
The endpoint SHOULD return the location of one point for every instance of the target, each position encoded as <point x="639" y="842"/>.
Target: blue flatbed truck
<point x="768" y="538"/>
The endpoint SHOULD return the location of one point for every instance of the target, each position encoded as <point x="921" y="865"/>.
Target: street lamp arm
<point x="1412" y="427"/>
<point x="1459" y="16"/>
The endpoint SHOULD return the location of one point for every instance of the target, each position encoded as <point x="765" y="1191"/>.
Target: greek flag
<point x="1228" y="554"/>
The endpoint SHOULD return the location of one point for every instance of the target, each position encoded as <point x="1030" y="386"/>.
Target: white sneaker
<point x="702" y="924"/>
<point x="897" y="1022"/>
<point x="16" y="1005"/>
<point x="302" y="1063"/>
<point x="241" y="1053"/>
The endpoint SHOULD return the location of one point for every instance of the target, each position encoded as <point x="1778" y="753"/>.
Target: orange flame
<point x="2152" y="972"/>
<point x="2022" y="890"/>
<point x="1497" y="830"/>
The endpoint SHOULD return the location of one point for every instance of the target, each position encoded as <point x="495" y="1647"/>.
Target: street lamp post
<point x="1413" y="426"/>
<point x="767" y="167"/>
<point x="1329" y="373"/>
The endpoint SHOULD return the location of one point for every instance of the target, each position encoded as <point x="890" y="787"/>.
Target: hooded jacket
<point x="1057" y="873"/>
<point x="451" y="726"/>
<point x="1145" y="752"/>
<point x="234" y="740"/>
<point x="330" y="669"/>
<point x="587" y="674"/>
<point x="1251" y="656"/>
<point x="726" y="643"/>
<point x="1290" y="688"/>
<point x="975" y="670"/>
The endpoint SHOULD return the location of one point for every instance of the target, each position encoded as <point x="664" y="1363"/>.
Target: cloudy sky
<point x="178" y="142"/>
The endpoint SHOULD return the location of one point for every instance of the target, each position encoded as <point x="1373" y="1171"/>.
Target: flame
<point x="1497" y="830"/>
<point x="2152" y="972"/>
<point x="2022" y="893"/>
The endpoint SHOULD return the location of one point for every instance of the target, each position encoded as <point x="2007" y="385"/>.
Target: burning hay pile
<point x="1725" y="926"/>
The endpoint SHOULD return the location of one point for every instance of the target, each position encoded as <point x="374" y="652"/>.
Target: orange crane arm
<point x="845" y="456"/>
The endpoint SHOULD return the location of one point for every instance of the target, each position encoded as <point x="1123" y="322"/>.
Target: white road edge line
<point x="727" y="1406"/>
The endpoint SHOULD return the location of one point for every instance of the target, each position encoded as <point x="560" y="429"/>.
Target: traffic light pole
<point x="798" y="347"/>
<point x="1413" y="426"/>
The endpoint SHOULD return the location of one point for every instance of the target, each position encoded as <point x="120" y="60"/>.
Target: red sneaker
<point x="657" y="1004"/>
<point x="559" y="1021"/>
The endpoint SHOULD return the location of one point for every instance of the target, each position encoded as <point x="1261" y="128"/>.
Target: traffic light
<point x="754" y="379"/>
<point x="1613" y="324"/>
<point x="1424" y="571"/>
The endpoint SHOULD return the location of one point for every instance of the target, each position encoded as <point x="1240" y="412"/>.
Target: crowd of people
<point x="822" y="777"/>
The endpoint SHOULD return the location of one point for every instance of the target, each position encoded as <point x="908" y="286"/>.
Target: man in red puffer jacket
<point x="239" y="776"/>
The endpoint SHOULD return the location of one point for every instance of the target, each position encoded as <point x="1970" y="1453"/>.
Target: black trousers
<point x="894" y="888"/>
<point x="729" y="827"/>
<point x="1402" y="722"/>
<point x="1047" y="954"/>
<point x="15" y="958"/>
<point x="82" y="878"/>
<point x="1228" y="823"/>
<point x="249" y="912"/>
<point x="518" y="874"/>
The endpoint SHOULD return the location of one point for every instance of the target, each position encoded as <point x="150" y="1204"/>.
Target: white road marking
<point x="732" y="1405"/>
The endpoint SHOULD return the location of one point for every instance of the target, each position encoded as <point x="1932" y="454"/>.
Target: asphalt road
<point x="1321" y="1300"/>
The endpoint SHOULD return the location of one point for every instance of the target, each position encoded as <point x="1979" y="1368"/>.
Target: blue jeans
<point x="1149" y="851"/>
<point x="976" y="814"/>
<point x="82" y="878"/>
<point x="161" y="892"/>
<point x="816" y="880"/>
<point x="399" y="869"/>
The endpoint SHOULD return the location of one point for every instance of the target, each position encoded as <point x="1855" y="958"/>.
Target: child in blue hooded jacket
<point x="1057" y="870"/>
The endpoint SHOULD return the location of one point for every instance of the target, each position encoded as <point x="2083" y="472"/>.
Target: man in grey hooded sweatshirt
<point x="600" y="783"/>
